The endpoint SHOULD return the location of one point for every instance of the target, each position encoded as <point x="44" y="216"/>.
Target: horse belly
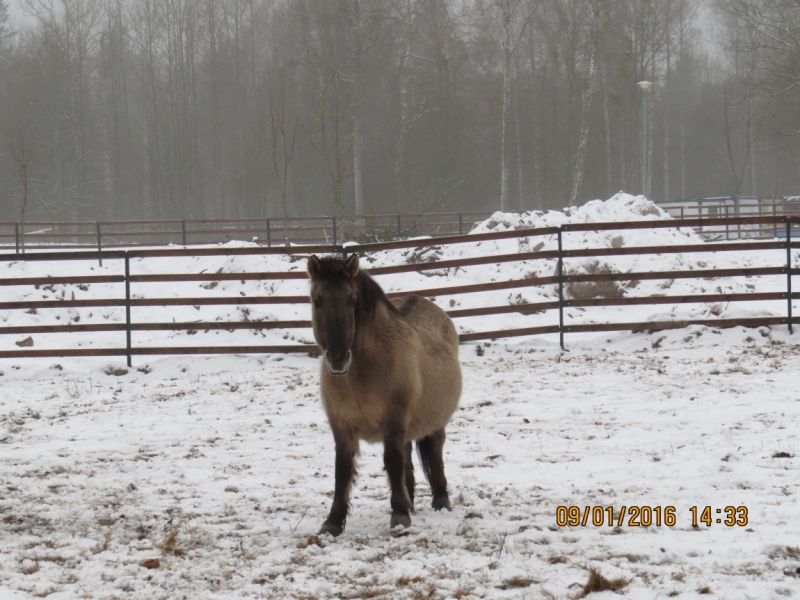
<point x="441" y="391"/>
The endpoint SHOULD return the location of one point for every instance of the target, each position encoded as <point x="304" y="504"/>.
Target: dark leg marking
<point x="430" y="455"/>
<point x="394" y="462"/>
<point x="346" y="450"/>
<point x="408" y="467"/>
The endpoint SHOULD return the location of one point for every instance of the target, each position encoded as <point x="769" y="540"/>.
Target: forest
<point x="192" y="109"/>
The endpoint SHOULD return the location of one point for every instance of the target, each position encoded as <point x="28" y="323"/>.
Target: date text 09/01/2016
<point x="646" y="516"/>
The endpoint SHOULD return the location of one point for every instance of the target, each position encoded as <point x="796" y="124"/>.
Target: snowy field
<point x="208" y="477"/>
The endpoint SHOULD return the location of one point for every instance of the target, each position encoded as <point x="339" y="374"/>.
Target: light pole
<point x="645" y="85"/>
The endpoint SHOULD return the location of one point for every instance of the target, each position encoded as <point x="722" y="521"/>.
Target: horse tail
<point x="424" y="459"/>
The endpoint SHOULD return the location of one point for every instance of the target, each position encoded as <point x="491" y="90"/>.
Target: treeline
<point x="124" y="109"/>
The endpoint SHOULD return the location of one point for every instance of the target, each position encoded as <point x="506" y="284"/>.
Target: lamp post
<point x="645" y="85"/>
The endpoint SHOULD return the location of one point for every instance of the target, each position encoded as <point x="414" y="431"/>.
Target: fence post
<point x="99" y="243"/>
<point x="16" y="236"/>
<point x="269" y="236"/>
<point x="460" y="223"/>
<point x="128" y="307"/>
<point x="789" y="270"/>
<point x="334" y="230"/>
<point x="560" y="292"/>
<point x="727" y="231"/>
<point x="774" y="214"/>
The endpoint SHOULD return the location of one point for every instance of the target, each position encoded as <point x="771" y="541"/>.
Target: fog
<point x="128" y="109"/>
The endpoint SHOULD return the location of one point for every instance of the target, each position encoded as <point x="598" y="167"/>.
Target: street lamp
<point x="645" y="85"/>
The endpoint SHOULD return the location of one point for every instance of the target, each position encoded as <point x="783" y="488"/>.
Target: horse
<point x="390" y="373"/>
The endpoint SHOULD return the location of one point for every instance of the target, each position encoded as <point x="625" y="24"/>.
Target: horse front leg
<point x="394" y="462"/>
<point x="346" y="451"/>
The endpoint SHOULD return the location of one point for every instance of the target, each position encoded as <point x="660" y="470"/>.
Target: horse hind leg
<point x="408" y="471"/>
<point x="430" y="455"/>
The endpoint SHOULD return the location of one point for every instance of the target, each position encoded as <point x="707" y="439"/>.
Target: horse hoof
<point x="399" y="520"/>
<point x="440" y="503"/>
<point x="331" y="529"/>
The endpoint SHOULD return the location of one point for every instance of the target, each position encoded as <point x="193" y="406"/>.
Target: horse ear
<point x="351" y="265"/>
<point x="313" y="266"/>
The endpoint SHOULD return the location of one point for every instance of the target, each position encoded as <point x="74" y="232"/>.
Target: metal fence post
<point x="128" y="307"/>
<point x="727" y="230"/>
<point x="16" y="236"/>
<point x="560" y="292"/>
<point x="334" y="230"/>
<point x="789" y="270"/>
<point x="99" y="243"/>
<point x="183" y="232"/>
<point x="269" y="236"/>
<point x="460" y="223"/>
<point x="774" y="214"/>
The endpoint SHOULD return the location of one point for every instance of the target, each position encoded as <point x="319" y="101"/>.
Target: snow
<point x="222" y="467"/>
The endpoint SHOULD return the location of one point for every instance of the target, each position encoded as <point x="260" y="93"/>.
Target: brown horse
<point x="390" y="374"/>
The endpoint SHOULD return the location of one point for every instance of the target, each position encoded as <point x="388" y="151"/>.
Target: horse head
<point x="334" y="292"/>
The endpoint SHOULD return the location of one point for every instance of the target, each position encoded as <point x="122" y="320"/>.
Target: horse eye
<point x="317" y="302"/>
<point x="351" y="301"/>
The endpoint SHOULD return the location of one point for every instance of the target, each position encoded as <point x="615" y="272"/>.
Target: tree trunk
<point x="505" y="167"/>
<point x="607" y="123"/>
<point x="358" y="140"/>
<point x="519" y="150"/>
<point x="583" y="140"/>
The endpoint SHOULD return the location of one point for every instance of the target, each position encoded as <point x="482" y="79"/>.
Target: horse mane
<point x="370" y="294"/>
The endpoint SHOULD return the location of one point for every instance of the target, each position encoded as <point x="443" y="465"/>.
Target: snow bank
<point x="620" y="207"/>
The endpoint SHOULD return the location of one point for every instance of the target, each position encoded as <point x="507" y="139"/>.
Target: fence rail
<point x="559" y="279"/>
<point x="266" y="231"/>
<point x="335" y="230"/>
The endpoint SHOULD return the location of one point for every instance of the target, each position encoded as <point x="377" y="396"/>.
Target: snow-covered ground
<point x="222" y="467"/>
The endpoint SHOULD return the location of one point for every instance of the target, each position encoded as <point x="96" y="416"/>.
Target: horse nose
<point x="338" y="362"/>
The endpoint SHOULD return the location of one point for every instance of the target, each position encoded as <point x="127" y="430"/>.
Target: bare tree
<point x="334" y="143"/>
<point x="281" y="137"/>
<point x="512" y="17"/>
<point x="22" y="153"/>
<point x="595" y="20"/>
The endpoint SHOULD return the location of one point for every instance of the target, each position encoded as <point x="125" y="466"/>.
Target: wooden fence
<point x="41" y="235"/>
<point x="559" y="279"/>
<point x="266" y="231"/>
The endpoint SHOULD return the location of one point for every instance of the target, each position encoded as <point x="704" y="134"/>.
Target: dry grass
<point x="516" y="582"/>
<point x="782" y="455"/>
<point x="792" y="552"/>
<point x="311" y="540"/>
<point x="170" y="543"/>
<point x="598" y="583"/>
<point x="704" y="590"/>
